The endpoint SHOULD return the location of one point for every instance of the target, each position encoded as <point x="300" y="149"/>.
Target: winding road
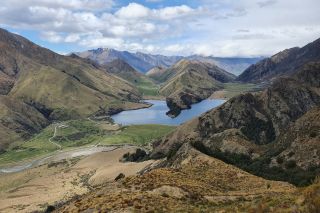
<point x="58" y="125"/>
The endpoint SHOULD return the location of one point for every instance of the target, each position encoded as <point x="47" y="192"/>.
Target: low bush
<point x="138" y="156"/>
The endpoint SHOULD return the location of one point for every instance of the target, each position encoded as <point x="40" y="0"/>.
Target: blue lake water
<point x="156" y="114"/>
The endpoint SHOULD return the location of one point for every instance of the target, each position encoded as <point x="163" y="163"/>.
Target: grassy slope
<point x="233" y="89"/>
<point x="192" y="81"/>
<point x="80" y="133"/>
<point x="123" y="70"/>
<point x="147" y="87"/>
<point x="80" y="92"/>
<point x="18" y="121"/>
<point x="138" y="134"/>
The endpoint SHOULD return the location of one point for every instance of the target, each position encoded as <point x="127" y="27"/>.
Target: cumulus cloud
<point x="222" y="28"/>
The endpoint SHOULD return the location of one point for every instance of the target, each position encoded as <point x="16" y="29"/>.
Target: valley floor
<point x="68" y="159"/>
<point x="36" y="188"/>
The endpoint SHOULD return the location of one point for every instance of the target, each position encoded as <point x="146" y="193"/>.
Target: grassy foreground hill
<point x="193" y="182"/>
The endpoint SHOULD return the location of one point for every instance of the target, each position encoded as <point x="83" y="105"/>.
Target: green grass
<point x="233" y="89"/>
<point x="80" y="133"/>
<point x="37" y="146"/>
<point x="138" y="134"/>
<point x="147" y="87"/>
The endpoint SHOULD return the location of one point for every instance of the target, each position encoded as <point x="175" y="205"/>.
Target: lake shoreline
<point x="156" y="113"/>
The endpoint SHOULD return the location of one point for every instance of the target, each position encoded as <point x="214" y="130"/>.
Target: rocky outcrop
<point x="300" y="143"/>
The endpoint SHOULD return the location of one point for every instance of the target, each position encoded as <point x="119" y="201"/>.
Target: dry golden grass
<point x="201" y="184"/>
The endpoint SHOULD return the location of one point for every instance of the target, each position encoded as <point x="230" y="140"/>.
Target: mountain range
<point x="144" y="62"/>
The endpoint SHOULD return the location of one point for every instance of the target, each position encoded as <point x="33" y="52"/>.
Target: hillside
<point x="282" y="63"/>
<point x="156" y="73"/>
<point x="18" y="121"/>
<point x="59" y="87"/>
<point x="247" y="129"/>
<point x="194" y="182"/>
<point x="58" y="84"/>
<point x="189" y="82"/>
<point x="123" y="70"/>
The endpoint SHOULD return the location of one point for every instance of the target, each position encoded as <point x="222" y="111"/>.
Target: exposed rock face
<point x="300" y="143"/>
<point x="190" y="82"/>
<point x="249" y="123"/>
<point x="283" y="63"/>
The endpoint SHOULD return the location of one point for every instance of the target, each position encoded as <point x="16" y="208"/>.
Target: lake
<point x="156" y="114"/>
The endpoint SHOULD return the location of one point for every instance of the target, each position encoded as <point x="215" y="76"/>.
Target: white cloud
<point x="174" y="12"/>
<point x="72" y="38"/>
<point x="97" y="40"/>
<point x="221" y="28"/>
<point x="133" y="10"/>
<point x="52" y="36"/>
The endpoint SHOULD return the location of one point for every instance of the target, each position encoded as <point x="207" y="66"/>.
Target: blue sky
<point x="170" y="27"/>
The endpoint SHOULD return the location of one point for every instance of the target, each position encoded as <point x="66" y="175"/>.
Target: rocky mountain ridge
<point x="283" y="63"/>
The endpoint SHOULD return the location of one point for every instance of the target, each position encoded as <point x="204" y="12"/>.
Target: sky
<point x="225" y="28"/>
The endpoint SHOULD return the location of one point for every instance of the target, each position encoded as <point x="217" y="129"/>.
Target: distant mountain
<point x="36" y="80"/>
<point x="234" y="65"/>
<point x="189" y="82"/>
<point x="140" y="61"/>
<point x="282" y="63"/>
<point x="144" y="62"/>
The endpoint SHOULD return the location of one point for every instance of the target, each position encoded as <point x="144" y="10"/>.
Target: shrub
<point x="290" y="154"/>
<point x="138" y="156"/>
<point x="280" y="160"/>
<point x="290" y="164"/>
